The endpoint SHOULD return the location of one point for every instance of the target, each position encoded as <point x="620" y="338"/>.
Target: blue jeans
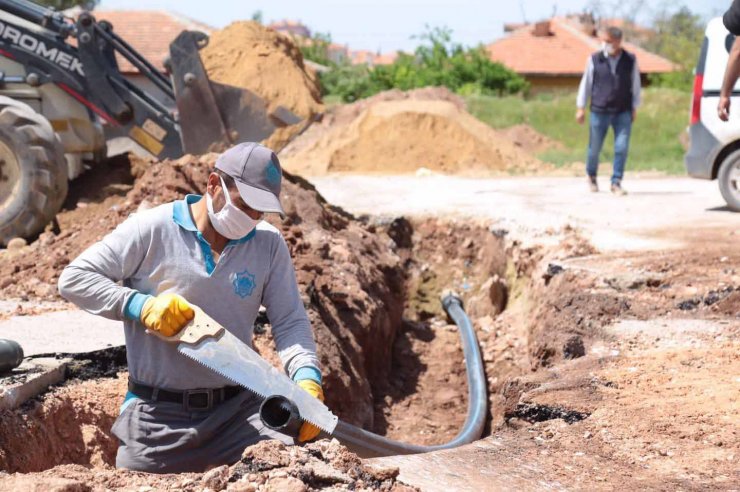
<point x="599" y="124"/>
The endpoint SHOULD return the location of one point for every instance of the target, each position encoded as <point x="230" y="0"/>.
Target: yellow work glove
<point x="309" y="431"/>
<point x="166" y="314"/>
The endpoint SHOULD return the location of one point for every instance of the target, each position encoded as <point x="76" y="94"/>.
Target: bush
<point x="349" y="82"/>
<point x="436" y="62"/>
<point x="316" y="48"/>
<point x="678" y="37"/>
<point x="682" y="80"/>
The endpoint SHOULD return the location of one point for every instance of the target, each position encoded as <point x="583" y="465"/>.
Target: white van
<point x="714" y="150"/>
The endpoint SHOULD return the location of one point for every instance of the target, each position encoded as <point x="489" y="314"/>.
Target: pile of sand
<point x="251" y="56"/>
<point x="530" y="140"/>
<point x="401" y="132"/>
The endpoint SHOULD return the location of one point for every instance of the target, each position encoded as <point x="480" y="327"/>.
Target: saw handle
<point x="200" y="327"/>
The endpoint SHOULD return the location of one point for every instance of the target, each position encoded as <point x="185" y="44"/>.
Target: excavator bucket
<point x="214" y="116"/>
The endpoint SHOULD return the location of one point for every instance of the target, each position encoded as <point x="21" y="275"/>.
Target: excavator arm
<point x="78" y="55"/>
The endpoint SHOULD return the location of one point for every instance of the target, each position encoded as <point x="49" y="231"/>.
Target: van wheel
<point x="729" y="180"/>
<point x="33" y="171"/>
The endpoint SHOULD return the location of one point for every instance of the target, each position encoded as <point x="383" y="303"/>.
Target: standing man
<point x="216" y="253"/>
<point x="731" y="20"/>
<point x="612" y="81"/>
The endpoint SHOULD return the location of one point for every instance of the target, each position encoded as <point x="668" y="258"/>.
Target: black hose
<point x="367" y="445"/>
<point x="280" y="414"/>
<point x="11" y="355"/>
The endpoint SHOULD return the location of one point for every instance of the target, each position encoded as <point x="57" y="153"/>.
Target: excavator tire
<point x="33" y="171"/>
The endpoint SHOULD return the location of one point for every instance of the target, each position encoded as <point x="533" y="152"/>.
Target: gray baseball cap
<point x="256" y="171"/>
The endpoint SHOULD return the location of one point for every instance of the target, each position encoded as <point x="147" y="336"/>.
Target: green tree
<point x="437" y="61"/>
<point x="316" y="49"/>
<point x="678" y="37"/>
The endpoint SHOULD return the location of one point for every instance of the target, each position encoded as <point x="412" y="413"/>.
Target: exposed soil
<point x="350" y="277"/>
<point x="425" y="396"/>
<point x="610" y="381"/>
<point x="530" y="140"/>
<point x="604" y="370"/>
<point x="268" y="466"/>
<point x="645" y="395"/>
<point x="249" y="55"/>
<point x="397" y="132"/>
<point x="70" y="425"/>
<point x="600" y="379"/>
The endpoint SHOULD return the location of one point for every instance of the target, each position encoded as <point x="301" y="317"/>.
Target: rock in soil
<point x="318" y="465"/>
<point x="16" y="243"/>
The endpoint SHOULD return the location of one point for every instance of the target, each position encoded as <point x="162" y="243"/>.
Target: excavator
<point x="64" y="103"/>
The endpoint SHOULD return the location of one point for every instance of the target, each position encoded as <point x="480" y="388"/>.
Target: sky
<point x="389" y="25"/>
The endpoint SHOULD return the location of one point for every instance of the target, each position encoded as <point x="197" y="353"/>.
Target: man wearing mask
<point x="216" y="253"/>
<point x="612" y="82"/>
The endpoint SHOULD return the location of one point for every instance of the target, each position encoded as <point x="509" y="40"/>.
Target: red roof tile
<point x="386" y="58"/>
<point x="150" y="32"/>
<point x="288" y="26"/>
<point x="371" y="58"/>
<point x="563" y="52"/>
<point x="361" y="56"/>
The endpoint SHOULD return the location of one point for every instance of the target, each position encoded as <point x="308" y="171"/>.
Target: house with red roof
<point x="552" y="54"/>
<point x="372" y="58"/>
<point x="291" y="27"/>
<point x="336" y="52"/>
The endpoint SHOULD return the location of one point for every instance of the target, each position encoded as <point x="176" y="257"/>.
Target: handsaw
<point x="210" y="344"/>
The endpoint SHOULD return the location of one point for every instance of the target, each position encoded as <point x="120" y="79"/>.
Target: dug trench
<point x="392" y="362"/>
<point x="422" y="399"/>
<point x="585" y="354"/>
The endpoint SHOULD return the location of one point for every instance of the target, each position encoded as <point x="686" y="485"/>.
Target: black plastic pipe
<point x="11" y="355"/>
<point x="280" y="414"/>
<point x="368" y="445"/>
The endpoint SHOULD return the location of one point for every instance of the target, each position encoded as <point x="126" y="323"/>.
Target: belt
<point x="194" y="399"/>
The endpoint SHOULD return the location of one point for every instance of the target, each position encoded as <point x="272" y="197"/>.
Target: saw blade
<point x="236" y="361"/>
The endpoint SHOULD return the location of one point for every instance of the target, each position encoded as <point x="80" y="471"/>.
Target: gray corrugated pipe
<point x="367" y="445"/>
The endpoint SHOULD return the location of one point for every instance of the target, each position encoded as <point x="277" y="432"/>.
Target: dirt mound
<point x="352" y="282"/>
<point x="249" y="55"/>
<point x="344" y="114"/>
<point x="61" y="443"/>
<point x="530" y="140"/>
<point x="397" y="132"/>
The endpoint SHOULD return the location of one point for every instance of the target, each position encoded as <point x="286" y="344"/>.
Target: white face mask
<point x="230" y="222"/>
<point x="609" y="49"/>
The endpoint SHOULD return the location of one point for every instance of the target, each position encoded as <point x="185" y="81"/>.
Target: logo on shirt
<point x="243" y="283"/>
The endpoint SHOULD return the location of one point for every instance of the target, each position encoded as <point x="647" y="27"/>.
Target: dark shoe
<point x="592" y="184"/>
<point x="617" y="189"/>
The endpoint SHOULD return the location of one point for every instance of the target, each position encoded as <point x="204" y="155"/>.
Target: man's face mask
<point x="230" y="222"/>
<point x="608" y="48"/>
